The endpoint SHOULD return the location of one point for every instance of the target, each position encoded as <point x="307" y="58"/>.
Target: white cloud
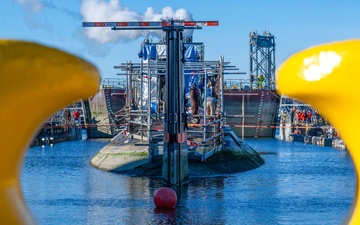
<point x="113" y="11"/>
<point x="32" y="5"/>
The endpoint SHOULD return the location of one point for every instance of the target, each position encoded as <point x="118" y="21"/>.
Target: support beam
<point x="175" y="157"/>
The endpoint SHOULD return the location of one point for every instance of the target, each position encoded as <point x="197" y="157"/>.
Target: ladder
<point x="259" y="114"/>
<point x="109" y="109"/>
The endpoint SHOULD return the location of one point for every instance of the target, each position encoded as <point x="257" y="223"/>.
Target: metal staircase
<point x="111" y="114"/>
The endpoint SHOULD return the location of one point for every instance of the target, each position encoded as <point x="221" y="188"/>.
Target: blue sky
<point x="296" y="24"/>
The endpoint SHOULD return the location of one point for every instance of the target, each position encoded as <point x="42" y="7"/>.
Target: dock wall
<point x="321" y="141"/>
<point x="106" y="102"/>
<point x="259" y="108"/>
<point x="48" y="138"/>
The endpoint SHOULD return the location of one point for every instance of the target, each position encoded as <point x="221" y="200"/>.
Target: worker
<point x="283" y="117"/>
<point x="195" y="101"/>
<point x="260" y="80"/>
<point x="162" y="98"/>
<point x="210" y="106"/>
<point x="210" y="100"/>
<point x="251" y="81"/>
<point x="76" y="116"/>
<point x="67" y="118"/>
<point x="292" y="114"/>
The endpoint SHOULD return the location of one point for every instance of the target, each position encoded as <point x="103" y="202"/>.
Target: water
<point x="298" y="184"/>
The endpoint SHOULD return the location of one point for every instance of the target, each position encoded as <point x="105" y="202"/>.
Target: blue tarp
<point x="190" y="53"/>
<point x="190" y="80"/>
<point x="148" y="51"/>
<point x="194" y="77"/>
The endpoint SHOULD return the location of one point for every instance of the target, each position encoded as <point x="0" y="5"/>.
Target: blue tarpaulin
<point x="148" y="51"/>
<point x="190" y="53"/>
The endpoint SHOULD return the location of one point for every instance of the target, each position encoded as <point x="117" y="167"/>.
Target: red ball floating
<point x="165" y="198"/>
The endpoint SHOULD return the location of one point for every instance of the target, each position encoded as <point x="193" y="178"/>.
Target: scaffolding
<point x="262" y="61"/>
<point x="145" y="111"/>
<point x="158" y="92"/>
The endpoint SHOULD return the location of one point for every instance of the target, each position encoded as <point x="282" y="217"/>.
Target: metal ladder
<point x="109" y="109"/>
<point x="259" y="114"/>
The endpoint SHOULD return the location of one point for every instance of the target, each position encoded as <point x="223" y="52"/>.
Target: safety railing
<point x="113" y="83"/>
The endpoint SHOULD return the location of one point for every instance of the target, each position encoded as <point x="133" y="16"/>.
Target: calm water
<point x="298" y="184"/>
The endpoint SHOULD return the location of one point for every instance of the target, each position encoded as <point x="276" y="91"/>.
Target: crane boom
<point x="153" y="24"/>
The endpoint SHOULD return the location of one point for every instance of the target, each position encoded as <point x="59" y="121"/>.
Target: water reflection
<point x="201" y="202"/>
<point x="165" y="216"/>
<point x="298" y="184"/>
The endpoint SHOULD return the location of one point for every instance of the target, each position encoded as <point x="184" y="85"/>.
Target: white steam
<point x="112" y="11"/>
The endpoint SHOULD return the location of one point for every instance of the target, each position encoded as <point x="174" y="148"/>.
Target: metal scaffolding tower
<point x="175" y="150"/>
<point x="262" y="61"/>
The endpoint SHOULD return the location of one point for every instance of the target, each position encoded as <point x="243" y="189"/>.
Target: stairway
<point x="259" y="114"/>
<point x="111" y="114"/>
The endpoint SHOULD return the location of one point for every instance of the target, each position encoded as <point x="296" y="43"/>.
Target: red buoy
<point x="165" y="198"/>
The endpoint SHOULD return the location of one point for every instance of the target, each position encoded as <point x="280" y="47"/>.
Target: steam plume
<point x="112" y="11"/>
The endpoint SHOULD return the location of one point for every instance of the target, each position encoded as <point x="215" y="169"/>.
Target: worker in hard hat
<point x="260" y="80"/>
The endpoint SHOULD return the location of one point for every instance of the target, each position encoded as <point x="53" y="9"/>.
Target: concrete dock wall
<point x="73" y="133"/>
<point x="321" y="141"/>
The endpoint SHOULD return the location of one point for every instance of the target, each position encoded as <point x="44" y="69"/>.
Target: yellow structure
<point x="328" y="78"/>
<point x="40" y="80"/>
